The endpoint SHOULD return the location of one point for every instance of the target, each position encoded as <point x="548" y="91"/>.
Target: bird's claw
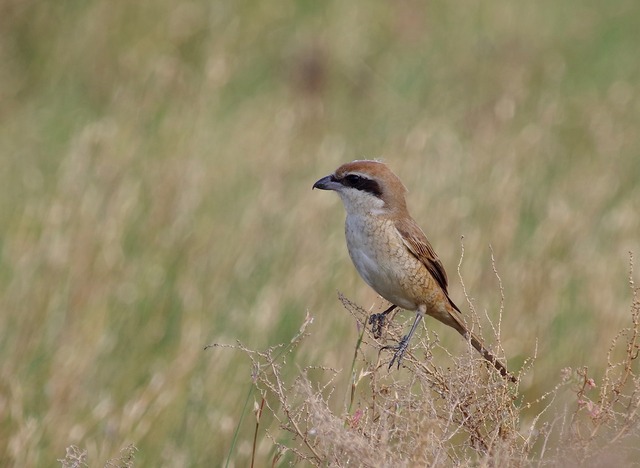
<point x="377" y="322"/>
<point x="400" y="349"/>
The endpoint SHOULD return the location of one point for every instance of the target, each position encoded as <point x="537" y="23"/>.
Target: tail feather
<point x="477" y="344"/>
<point x="459" y="325"/>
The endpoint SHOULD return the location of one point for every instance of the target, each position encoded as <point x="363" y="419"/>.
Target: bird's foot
<point x="400" y="349"/>
<point x="377" y="322"/>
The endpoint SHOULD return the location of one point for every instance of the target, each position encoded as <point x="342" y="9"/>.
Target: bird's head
<point x="366" y="187"/>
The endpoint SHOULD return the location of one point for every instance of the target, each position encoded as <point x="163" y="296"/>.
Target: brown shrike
<point x="392" y="254"/>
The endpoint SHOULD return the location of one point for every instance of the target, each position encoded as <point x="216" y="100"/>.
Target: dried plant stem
<point x="255" y="434"/>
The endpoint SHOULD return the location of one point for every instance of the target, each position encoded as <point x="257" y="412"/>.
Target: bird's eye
<point x="353" y="179"/>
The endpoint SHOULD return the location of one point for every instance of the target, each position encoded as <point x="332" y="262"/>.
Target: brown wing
<point x="417" y="243"/>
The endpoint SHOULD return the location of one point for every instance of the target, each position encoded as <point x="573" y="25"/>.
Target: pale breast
<point x="383" y="261"/>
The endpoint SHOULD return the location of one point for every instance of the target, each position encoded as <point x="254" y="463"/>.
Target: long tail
<point x="459" y="325"/>
<point x="476" y="343"/>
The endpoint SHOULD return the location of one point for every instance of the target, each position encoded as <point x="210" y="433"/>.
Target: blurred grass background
<point x="157" y="163"/>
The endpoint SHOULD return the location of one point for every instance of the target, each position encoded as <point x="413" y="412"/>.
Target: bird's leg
<point x="377" y="321"/>
<point x="404" y="342"/>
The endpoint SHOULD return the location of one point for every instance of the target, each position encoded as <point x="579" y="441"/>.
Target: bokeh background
<point x="155" y="197"/>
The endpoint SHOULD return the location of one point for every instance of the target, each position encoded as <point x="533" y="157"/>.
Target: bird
<point x="392" y="254"/>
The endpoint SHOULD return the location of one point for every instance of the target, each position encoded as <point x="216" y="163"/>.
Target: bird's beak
<point x="327" y="183"/>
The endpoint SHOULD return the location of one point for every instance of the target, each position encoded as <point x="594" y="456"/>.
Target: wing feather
<point x="416" y="242"/>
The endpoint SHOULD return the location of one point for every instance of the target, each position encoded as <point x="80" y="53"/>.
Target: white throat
<point x="357" y="203"/>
